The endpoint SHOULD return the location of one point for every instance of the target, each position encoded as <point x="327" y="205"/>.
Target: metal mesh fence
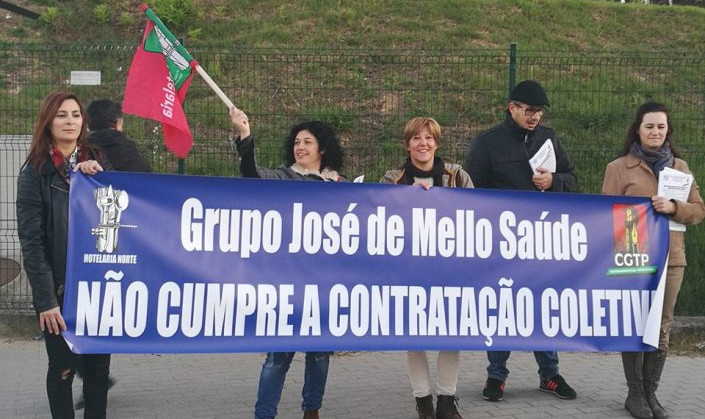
<point x="367" y="95"/>
<point x="14" y="288"/>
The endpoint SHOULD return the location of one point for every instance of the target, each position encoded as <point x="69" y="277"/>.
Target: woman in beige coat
<point x="649" y="148"/>
<point x="421" y="138"/>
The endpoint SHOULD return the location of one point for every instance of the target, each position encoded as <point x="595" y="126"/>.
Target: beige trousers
<point x="420" y="376"/>
<point x="674" y="279"/>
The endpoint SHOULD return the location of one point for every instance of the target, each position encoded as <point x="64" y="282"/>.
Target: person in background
<point x="499" y="159"/>
<point x="648" y="149"/>
<point x="312" y="152"/>
<point x="58" y="148"/>
<point x="105" y="123"/>
<point x="422" y="136"/>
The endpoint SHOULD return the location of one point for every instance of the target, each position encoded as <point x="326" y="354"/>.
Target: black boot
<point x="446" y="408"/>
<point x="653" y="367"/>
<point x="311" y="414"/>
<point x="424" y="405"/>
<point x="636" y="400"/>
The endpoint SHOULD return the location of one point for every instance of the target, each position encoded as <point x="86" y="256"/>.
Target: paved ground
<point x="365" y="385"/>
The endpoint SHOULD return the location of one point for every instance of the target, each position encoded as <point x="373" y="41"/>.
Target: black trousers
<point x="62" y="367"/>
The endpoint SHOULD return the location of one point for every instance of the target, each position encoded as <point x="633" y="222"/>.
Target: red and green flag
<point x="157" y="83"/>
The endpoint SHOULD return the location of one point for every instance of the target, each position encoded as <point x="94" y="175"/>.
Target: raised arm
<point x="243" y="143"/>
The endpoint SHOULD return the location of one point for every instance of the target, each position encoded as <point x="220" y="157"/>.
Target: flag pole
<point x="214" y="86"/>
<point x="157" y="22"/>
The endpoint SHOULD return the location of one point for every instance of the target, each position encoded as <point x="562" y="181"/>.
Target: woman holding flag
<point x="58" y="148"/>
<point x="312" y="152"/>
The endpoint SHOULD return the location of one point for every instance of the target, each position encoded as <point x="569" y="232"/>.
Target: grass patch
<point x="444" y="24"/>
<point x="688" y="337"/>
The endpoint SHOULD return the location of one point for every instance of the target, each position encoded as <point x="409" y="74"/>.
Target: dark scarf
<point x="656" y="159"/>
<point x="411" y="172"/>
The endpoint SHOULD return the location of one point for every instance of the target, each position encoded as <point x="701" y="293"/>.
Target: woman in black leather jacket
<point x="58" y="148"/>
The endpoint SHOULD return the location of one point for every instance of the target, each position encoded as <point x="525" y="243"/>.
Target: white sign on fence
<point x="85" y="78"/>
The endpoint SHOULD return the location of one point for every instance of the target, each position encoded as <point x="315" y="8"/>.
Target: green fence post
<point x="512" y="66"/>
<point x="181" y="167"/>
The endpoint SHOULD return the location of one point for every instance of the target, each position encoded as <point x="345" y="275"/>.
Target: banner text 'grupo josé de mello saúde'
<point x="166" y="263"/>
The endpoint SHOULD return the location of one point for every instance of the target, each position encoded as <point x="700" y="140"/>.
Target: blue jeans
<point x="271" y="382"/>
<point x="548" y="364"/>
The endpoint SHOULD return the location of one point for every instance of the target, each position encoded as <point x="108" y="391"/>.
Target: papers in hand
<point x="359" y="179"/>
<point x="545" y="157"/>
<point x="674" y="184"/>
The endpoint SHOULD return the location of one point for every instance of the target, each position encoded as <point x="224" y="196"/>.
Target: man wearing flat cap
<point x="499" y="159"/>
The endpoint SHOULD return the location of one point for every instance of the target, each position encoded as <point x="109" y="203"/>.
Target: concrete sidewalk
<point x="363" y="385"/>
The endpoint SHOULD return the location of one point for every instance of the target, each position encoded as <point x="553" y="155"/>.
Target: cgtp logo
<point x="631" y="241"/>
<point x="111" y="203"/>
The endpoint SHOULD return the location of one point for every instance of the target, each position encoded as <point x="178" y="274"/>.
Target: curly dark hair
<point x="328" y="143"/>
<point x="633" y="130"/>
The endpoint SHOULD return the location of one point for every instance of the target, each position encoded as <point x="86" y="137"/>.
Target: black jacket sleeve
<point x="33" y="235"/>
<point x="565" y="179"/>
<point x="245" y="151"/>
<point x="477" y="163"/>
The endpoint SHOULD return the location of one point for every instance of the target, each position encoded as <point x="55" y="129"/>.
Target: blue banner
<point x="167" y="263"/>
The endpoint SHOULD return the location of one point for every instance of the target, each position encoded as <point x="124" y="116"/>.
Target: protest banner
<point x="167" y="263"/>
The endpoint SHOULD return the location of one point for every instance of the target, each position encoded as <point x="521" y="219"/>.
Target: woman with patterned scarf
<point x="312" y="152"/>
<point x="648" y="149"/>
<point x="422" y="136"/>
<point x="58" y="148"/>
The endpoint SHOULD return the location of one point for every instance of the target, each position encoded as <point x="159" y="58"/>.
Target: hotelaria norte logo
<point x="111" y="203"/>
<point x="631" y="241"/>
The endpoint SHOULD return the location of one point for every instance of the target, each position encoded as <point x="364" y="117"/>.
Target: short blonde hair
<point x="415" y="125"/>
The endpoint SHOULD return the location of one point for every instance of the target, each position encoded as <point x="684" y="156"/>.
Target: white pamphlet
<point x="359" y="179"/>
<point x="545" y="157"/>
<point x="674" y="184"/>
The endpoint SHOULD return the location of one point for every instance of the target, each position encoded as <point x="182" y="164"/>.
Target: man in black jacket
<point x="500" y="158"/>
<point x="105" y="125"/>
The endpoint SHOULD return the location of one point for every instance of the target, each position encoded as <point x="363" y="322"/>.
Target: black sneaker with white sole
<point x="494" y="390"/>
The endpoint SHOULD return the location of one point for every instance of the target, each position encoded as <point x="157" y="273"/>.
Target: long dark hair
<point x="633" y="130"/>
<point x="328" y="143"/>
<point x="41" y="138"/>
